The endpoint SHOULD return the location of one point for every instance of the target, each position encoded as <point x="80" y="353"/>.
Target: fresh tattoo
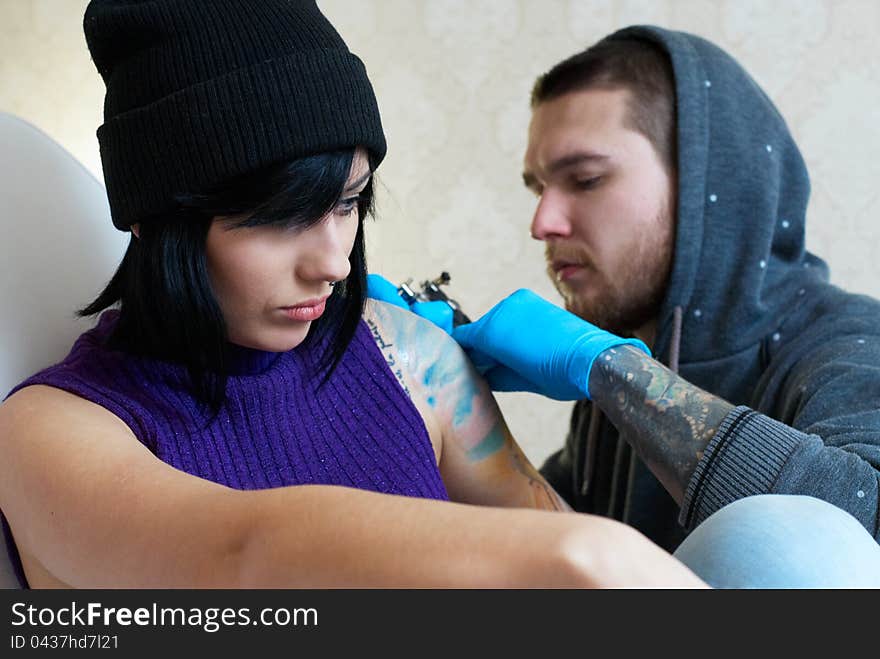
<point x="490" y="444"/>
<point x="668" y="421"/>
<point x="388" y="353"/>
<point x="436" y="368"/>
<point x="543" y="495"/>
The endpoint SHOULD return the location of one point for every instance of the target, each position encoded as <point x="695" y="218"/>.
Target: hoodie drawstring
<point x="590" y="450"/>
<point x="675" y="340"/>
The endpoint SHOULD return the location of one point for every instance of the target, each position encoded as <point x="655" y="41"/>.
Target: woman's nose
<point x="325" y="253"/>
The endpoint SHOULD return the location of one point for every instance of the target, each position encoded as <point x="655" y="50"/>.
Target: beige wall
<point x="452" y="77"/>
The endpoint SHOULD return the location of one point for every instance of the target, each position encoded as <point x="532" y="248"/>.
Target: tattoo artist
<point x="728" y="396"/>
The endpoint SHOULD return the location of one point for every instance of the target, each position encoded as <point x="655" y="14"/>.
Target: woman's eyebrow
<point x="356" y="184"/>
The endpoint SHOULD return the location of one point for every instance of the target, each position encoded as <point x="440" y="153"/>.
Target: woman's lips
<point x="308" y="311"/>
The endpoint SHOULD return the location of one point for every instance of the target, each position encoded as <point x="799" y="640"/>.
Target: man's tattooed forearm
<point x="667" y="420"/>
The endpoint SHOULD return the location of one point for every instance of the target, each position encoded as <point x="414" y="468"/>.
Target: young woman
<point x="239" y="416"/>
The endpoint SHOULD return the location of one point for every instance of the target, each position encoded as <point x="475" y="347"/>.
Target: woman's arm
<point x="480" y="461"/>
<point x="97" y="509"/>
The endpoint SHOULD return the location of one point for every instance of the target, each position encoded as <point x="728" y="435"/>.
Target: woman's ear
<point x="136" y="230"/>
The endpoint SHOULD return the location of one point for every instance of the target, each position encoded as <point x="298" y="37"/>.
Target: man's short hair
<point x="637" y="65"/>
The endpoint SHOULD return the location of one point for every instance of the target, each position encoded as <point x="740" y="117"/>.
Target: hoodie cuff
<point x="743" y="459"/>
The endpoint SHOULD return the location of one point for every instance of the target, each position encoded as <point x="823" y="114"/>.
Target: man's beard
<point x="629" y="298"/>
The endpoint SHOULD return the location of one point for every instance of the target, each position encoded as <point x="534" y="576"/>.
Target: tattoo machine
<point x="430" y="292"/>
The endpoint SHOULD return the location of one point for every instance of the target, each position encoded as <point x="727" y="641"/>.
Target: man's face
<point x="606" y="209"/>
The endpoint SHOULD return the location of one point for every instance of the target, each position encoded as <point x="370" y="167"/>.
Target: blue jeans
<point x="782" y="541"/>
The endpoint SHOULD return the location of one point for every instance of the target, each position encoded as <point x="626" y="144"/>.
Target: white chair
<point x="58" y="249"/>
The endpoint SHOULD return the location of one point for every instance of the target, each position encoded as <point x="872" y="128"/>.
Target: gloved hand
<point x="525" y="343"/>
<point x="437" y="312"/>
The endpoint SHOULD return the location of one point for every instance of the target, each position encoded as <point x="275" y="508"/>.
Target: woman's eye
<point x="587" y="183"/>
<point x="347" y="207"/>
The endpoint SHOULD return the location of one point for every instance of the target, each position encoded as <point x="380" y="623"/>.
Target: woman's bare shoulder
<point x="414" y="342"/>
<point x="41" y="407"/>
<point x="413" y="348"/>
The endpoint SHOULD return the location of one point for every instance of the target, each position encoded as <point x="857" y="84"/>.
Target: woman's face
<point x="272" y="282"/>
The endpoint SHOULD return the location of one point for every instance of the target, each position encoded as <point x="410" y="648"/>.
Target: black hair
<point x="167" y="308"/>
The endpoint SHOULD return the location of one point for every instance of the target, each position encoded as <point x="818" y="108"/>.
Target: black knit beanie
<point x="201" y="91"/>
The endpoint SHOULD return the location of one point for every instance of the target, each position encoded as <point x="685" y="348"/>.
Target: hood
<point x="740" y="263"/>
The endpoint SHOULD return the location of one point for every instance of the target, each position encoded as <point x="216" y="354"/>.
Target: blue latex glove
<point x="437" y="312"/>
<point x="525" y="343"/>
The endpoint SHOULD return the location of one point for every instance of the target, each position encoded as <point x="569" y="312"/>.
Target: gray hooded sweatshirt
<point x="749" y="315"/>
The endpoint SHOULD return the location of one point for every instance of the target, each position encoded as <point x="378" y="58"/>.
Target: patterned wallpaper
<point x="453" y="77"/>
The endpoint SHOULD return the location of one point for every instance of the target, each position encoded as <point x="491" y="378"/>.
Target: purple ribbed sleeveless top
<point x="277" y="426"/>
